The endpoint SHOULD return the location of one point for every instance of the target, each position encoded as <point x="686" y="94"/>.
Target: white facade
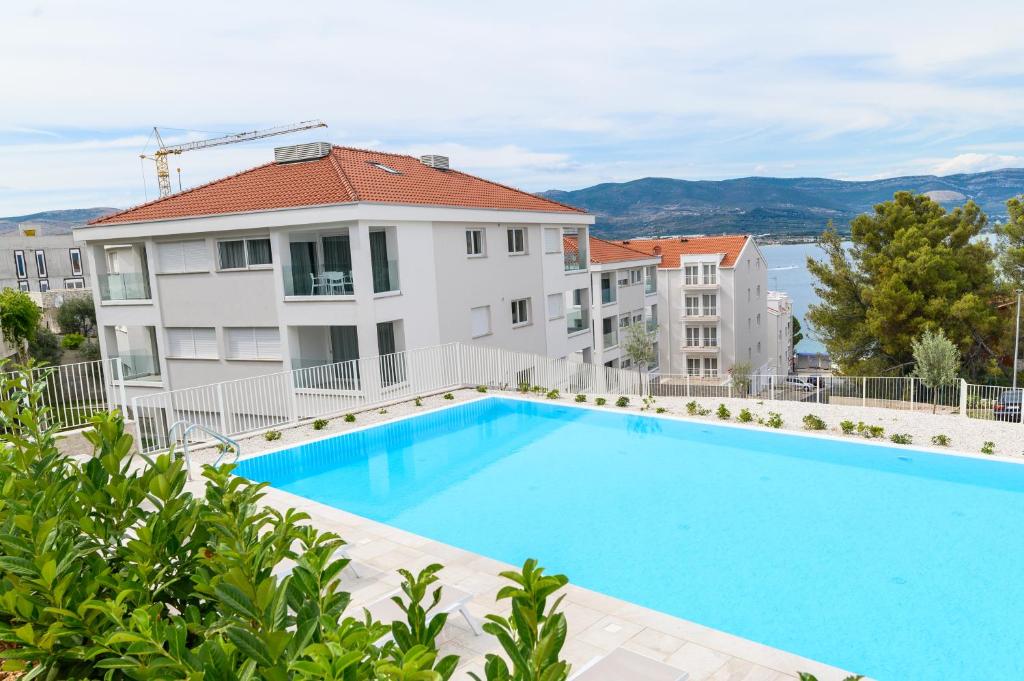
<point x="624" y="293"/>
<point x="197" y="300"/>
<point x="780" y="332"/>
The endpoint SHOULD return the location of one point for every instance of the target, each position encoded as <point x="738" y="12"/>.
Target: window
<point x="241" y="254"/>
<point x="192" y="343"/>
<point x="693" y="366"/>
<point x="20" y="268"/>
<point x="759" y="347"/>
<point x="556" y="306"/>
<point x="625" y="363"/>
<point x="758" y="290"/>
<point x="710" y="274"/>
<point x="692" y="306"/>
<point x="635" y="276"/>
<point x="607" y="290"/>
<point x="183" y="256"/>
<point x="253" y="343"/>
<point x="41" y="263"/>
<point x="516" y="241"/>
<point x="75" y="255"/>
<point x="692" y="336"/>
<point x="44" y="285"/>
<point x="710" y="366"/>
<point x="759" y="319"/>
<point x="386" y="169"/>
<point x="710" y="337"/>
<point x="480" y="321"/>
<point x="520" y="312"/>
<point x="692" y="275"/>
<point x="74" y="283"/>
<point x="623" y="321"/>
<point x="474" y="242"/>
<point x="552" y="240"/>
<point x="23" y="286"/>
<point x="710" y="304"/>
<point x="748" y="294"/>
<point x="638" y="317"/>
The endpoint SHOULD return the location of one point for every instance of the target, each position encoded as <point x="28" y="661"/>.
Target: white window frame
<point x="486" y="311"/>
<point x="521" y="313"/>
<point x="195" y="345"/>
<point x="192" y="254"/>
<point x="72" y="252"/>
<point x="41" y="263"/>
<point x="693" y="336"/>
<point x="74" y="282"/>
<point x="693" y="366"/>
<point x="692" y="310"/>
<point x="245" y="251"/>
<point x="516" y="246"/>
<point x="709" y="370"/>
<point x="636" y="277"/>
<point x="44" y="285"/>
<point x="694" y="278"/>
<point x="476" y="245"/>
<point x="23" y="285"/>
<point x="710" y="336"/>
<point x="709" y="273"/>
<point x="712" y="309"/>
<point x="552" y="240"/>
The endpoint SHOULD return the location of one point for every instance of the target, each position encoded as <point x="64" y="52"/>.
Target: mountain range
<point x="774" y="207"/>
<point x="53" y="221"/>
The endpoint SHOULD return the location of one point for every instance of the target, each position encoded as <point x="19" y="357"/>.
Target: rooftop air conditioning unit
<point x="301" y="152"/>
<point x="435" y="161"/>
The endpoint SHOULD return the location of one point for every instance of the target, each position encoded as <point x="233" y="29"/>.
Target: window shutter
<point x="555" y="304"/>
<point x="480" y="321"/>
<point x="205" y="342"/>
<point x="179" y="343"/>
<point x="195" y="256"/>
<point x="171" y="257"/>
<point x="268" y="343"/>
<point x="241" y="343"/>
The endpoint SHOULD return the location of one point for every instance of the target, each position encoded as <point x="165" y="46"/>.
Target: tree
<point x="936" y="361"/>
<point x="638" y="346"/>
<point x="912" y="266"/>
<point x="798" y="334"/>
<point x="45" y="347"/>
<point x="77" y="315"/>
<point x="19" y="319"/>
<point x="739" y="377"/>
<point x="1011" y="244"/>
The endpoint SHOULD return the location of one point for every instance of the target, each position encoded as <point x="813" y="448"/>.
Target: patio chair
<point x="316" y="282"/>
<point x="622" y="664"/>
<point x="452" y="600"/>
<point x="338" y="283"/>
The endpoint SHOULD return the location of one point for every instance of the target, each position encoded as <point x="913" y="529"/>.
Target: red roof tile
<point x="346" y="175"/>
<point x="671" y="249"/>
<point x="603" y="252"/>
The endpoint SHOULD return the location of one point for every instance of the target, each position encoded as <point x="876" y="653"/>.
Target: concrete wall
<point x="56" y="248"/>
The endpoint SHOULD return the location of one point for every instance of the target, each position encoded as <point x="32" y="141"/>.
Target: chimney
<point x="435" y="161"/>
<point x="657" y="250"/>
<point x="683" y="239"/>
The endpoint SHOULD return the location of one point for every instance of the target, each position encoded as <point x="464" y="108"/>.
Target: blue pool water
<point x="894" y="563"/>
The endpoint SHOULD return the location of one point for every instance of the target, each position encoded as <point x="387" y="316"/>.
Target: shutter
<point x="180" y="343"/>
<point x="555" y="303"/>
<point x="480" y="321"/>
<point x="205" y="342"/>
<point x="195" y="256"/>
<point x="268" y="343"/>
<point x="241" y="343"/>
<point x="171" y="257"/>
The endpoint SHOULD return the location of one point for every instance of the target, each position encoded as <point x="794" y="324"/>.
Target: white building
<point x="712" y="304"/>
<point x="33" y="261"/>
<point x="780" y="332"/>
<point x="330" y="254"/>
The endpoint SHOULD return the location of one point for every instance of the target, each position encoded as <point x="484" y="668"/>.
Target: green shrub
<point x="116" y="571"/>
<point x="272" y="435"/>
<point x="581" y="398"/>
<point x="448" y="396"/>
<point x="72" y="341"/>
<point x="319" y="424"/>
<point x="481" y="388"/>
<point x="812" y="422"/>
<point x="692" y="407"/>
<point x="774" y="420"/>
<point x="382" y="410"/>
<point x="988" y="447"/>
<point x="660" y="410"/>
<point x="524" y="387"/>
<point x="745" y="416"/>
<point x="722" y="412"/>
<point x="45" y="346"/>
<point x="804" y="676"/>
<point x="224" y="448"/>
<point x="89" y="350"/>
<point x="553" y="394"/>
<point x="418" y="402"/>
<point x="847" y="427"/>
<point x="875" y="431"/>
<point x="349" y="418"/>
<point x="940" y="440"/>
<point x="901" y="438"/>
<point x="648" y="402"/>
<point x="601" y="401"/>
<point x="623" y="401"/>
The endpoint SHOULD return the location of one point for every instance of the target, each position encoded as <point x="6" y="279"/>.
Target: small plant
<point x="745" y="416"/>
<point x="847" y="426"/>
<point x="875" y="432"/>
<point x="319" y="424"/>
<point x="774" y="420"/>
<point x="349" y="418"/>
<point x="692" y="407"/>
<point x="940" y="440"/>
<point x="723" y="413"/>
<point x="448" y="396"/>
<point x="72" y="341"/>
<point x="481" y="388"/>
<point x="988" y="447"/>
<point x="225" y="448"/>
<point x="272" y="435"/>
<point x="812" y="422"/>
<point x="804" y="676"/>
<point x="553" y="394"/>
<point x="524" y="387"/>
<point x="600" y="401"/>
<point x="901" y="438"/>
<point x="538" y="390"/>
<point x="660" y="410"/>
<point x="623" y="401"/>
<point x="382" y="410"/>
<point x="648" y="403"/>
<point x="418" y="401"/>
<point x="581" y="398"/>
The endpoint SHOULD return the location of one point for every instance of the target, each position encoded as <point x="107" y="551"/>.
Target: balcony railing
<point x="139" y="366"/>
<point x="574" y="263"/>
<point x="322" y="374"/>
<point x="650" y="286"/>
<point x="652" y="325"/>
<point x="576" y="321"/>
<point x="611" y="339"/>
<point x="385" y="277"/>
<point x="300" y="281"/>
<point x="607" y="295"/>
<point x="124" y="286"/>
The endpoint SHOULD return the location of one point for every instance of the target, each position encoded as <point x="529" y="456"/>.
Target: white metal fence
<point x="75" y="392"/>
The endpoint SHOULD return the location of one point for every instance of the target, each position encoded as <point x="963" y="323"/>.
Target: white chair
<point x="452" y="600"/>
<point x="315" y="283"/>
<point x="622" y="664"/>
<point x="337" y="283"/>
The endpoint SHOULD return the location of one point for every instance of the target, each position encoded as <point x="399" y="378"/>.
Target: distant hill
<point x="780" y="207"/>
<point x="54" y="221"/>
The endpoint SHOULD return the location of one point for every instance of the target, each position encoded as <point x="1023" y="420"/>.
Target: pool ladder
<point x="228" y="444"/>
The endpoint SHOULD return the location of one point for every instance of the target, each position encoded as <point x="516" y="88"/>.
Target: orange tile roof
<point x="603" y="252"/>
<point x="672" y="248"/>
<point x="345" y="175"/>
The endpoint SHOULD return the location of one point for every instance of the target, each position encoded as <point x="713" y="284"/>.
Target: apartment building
<point x="712" y="304"/>
<point x="780" y="332"/>
<point x="624" y="291"/>
<point x="33" y="261"/>
<point x="329" y="254"/>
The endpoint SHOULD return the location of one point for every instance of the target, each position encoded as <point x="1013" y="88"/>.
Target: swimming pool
<point x="895" y="563"/>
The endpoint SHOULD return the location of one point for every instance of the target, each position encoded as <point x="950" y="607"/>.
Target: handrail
<point x="223" y="439"/>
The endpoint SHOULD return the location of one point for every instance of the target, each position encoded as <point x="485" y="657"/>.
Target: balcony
<point x="576" y="321"/>
<point x="574" y="262"/>
<point x="700" y="349"/>
<point x="323" y="374"/>
<point x="652" y="326"/>
<point x="139" y="366"/>
<point x="611" y="339"/>
<point x="301" y="281"/>
<point x="124" y="286"/>
<point x="650" y="287"/>
<point x="696" y="315"/>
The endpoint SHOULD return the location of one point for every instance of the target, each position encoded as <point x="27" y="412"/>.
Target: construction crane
<point x="163" y="171"/>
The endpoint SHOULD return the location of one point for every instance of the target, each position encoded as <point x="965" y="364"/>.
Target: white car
<point x="795" y="383"/>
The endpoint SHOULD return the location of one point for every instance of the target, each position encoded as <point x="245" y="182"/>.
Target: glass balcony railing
<point x="611" y="339"/>
<point x="124" y="286"/>
<point x="652" y="325"/>
<point x="650" y="286"/>
<point x="385" y="277"/>
<point x="607" y="296"/>
<point x="301" y="281"/>
<point x="574" y="262"/>
<point x="576" y="321"/>
<point x="139" y="366"/>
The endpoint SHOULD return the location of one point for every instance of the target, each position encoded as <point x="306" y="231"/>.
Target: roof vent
<point x="657" y="250"/>
<point x="435" y="161"/>
<point x="301" y="152"/>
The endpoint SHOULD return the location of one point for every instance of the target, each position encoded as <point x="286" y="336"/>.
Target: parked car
<point x="798" y="383"/>
<point x="1008" y="406"/>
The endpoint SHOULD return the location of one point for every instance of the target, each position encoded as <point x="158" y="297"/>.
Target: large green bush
<point x="111" y="569"/>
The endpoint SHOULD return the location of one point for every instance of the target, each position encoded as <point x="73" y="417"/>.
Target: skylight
<point x="386" y="169"/>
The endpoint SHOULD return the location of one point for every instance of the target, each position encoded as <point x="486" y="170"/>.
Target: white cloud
<point x="976" y="163"/>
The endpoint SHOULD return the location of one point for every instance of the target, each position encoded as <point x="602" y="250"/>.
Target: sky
<point x="539" y="95"/>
